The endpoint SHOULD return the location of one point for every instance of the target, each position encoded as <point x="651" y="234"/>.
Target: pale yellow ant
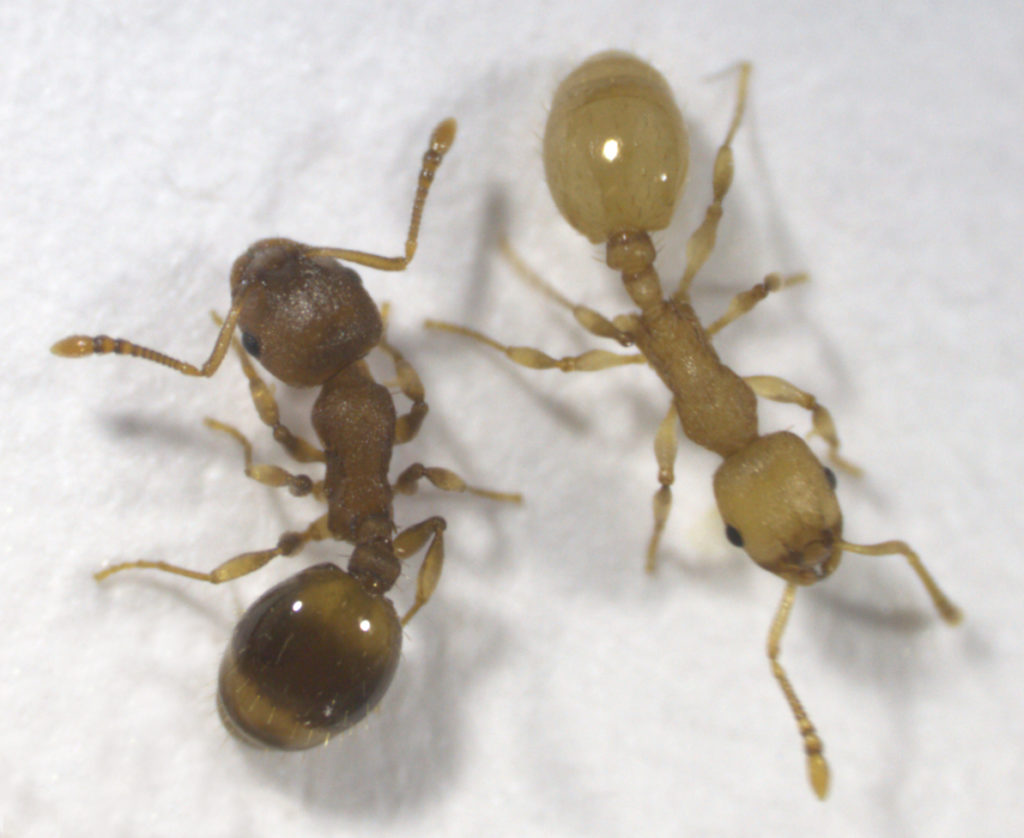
<point x="316" y="653"/>
<point x="615" y="157"/>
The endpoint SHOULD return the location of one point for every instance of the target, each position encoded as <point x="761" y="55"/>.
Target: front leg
<point x="779" y="390"/>
<point x="266" y="407"/>
<point x="408" y="424"/>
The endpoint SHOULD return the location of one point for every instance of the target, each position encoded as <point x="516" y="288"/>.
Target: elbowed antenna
<point x="440" y="141"/>
<point x="947" y="610"/>
<point x="80" y="346"/>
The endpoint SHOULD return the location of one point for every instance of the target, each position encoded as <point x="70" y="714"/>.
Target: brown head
<point x="304" y="315"/>
<point x="778" y="503"/>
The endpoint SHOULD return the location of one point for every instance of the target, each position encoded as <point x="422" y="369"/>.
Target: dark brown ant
<point x="615" y="156"/>
<point x="316" y="653"/>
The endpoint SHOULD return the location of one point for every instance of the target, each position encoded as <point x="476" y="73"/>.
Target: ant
<point x="615" y="158"/>
<point x="316" y="653"/>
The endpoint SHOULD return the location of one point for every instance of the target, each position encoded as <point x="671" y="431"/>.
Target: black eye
<point x="733" y="535"/>
<point x="830" y="476"/>
<point x="251" y="344"/>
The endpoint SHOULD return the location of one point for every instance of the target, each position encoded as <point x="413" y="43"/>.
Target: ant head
<point x="310" y="658"/>
<point x="778" y="503"/>
<point x="304" y="316"/>
<point x="615" y="148"/>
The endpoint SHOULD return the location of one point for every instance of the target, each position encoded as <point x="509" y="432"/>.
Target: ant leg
<point x="440" y="141"/>
<point x="288" y="544"/>
<point x="447" y="481"/>
<point x="947" y="610"/>
<point x="408" y="424"/>
<point x="408" y="542"/>
<point x="593" y="321"/>
<point x="269" y="475"/>
<point x="79" y="346"/>
<point x="702" y="242"/>
<point x="527" y="356"/>
<point x="779" y="390"/>
<point x="665" y="444"/>
<point x="817" y="767"/>
<point x="746" y="300"/>
<point x="266" y="407"/>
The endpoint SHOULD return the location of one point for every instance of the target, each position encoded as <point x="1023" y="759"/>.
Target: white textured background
<point x="551" y="688"/>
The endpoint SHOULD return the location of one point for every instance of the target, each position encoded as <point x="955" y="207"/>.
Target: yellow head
<point x="778" y="503"/>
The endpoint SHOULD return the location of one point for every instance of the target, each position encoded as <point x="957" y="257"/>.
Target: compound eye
<point x="830" y="476"/>
<point x="251" y="344"/>
<point x="733" y="535"/>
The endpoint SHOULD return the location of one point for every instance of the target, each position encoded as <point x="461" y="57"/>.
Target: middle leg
<point x="528" y="356"/>
<point x="746" y="300"/>
<point x="666" y="442"/>
<point x="299" y="485"/>
<point x="447" y="481"/>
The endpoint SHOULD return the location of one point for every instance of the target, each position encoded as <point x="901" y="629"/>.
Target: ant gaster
<point x="316" y="653"/>
<point x="615" y="157"/>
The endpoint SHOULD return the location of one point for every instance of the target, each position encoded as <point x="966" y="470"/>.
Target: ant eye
<point x="251" y="344"/>
<point x="733" y="535"/>
<point x="830" y="476"/>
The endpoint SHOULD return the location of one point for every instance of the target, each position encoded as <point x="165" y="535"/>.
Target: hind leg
<point x="702" y="242"/>
<point x="410" y="541"/>
<point x="288" y="544"/>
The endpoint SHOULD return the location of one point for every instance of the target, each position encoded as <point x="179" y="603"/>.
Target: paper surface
<point x="550" y="687"/>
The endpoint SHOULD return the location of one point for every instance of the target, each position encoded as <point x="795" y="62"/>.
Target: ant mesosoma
<point x="316" y="653"/>
<point x="615" y="157"/>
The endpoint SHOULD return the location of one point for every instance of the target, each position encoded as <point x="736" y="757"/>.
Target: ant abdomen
<point x="615" y="147"/>
<point x="308" y="659"/>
